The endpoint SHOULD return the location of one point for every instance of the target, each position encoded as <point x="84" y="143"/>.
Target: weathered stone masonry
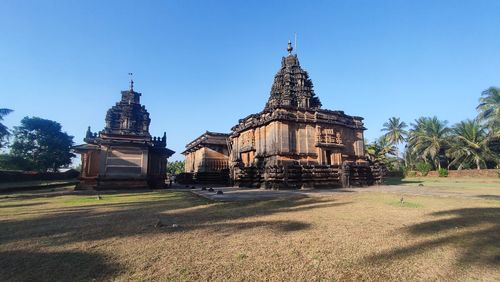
<point x="124" y="154"/>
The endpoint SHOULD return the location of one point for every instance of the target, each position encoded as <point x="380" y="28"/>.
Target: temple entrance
<point x="331" y="157"/>
<point x="328" y="157"/>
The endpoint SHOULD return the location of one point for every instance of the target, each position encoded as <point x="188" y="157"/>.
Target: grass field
<point x="447" y="182"/>
<point x="346" y="236"/>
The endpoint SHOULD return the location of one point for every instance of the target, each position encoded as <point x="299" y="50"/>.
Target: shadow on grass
<point x="22" y="205"/>
<point x="490" y="197"/>
<point x="56" y="226"/>
<point x="475" y="231"/>
<point x="400" y="181"/>
<point x="55" y="266"/>
<point x="50" y="226"/>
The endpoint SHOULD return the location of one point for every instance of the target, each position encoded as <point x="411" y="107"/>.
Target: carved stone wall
<point x="295" y="143"/>
<point x="124" y="155"/>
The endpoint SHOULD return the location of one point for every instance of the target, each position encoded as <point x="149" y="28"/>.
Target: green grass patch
<point x="445" y="182"/>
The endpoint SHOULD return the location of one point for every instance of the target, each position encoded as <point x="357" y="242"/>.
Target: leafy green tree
<point x="428" y="139"/>
<point x="42" y="142"/>
<point x="10" y="162"/>
<point x="4" y="131"/>
<point x="469" y="144"/>
<point x="175" y="167"/>
<point x="489" y="109"/>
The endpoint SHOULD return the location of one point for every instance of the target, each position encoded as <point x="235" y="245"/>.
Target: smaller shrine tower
<point x="124" y="154"/>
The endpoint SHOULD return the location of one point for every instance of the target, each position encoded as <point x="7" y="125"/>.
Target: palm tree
<point x="428" y="139"/>
<point x="489" y="109"/>
<point x="469" y="144"/>
<point x="395" y="129"/>
<point x="4" y="131"/>
<point x="379" y="149"/>
<point x="395" y="132"/>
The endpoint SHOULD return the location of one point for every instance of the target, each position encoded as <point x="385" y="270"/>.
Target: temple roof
<point x="292" y="86"/>
<point x="128" y="116"/>
<point x="207" y="138"/>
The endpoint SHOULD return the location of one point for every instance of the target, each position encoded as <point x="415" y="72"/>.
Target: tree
<point x="428" y="139"/>
<point x="395" y="132"/>
<point x="469" y="144"/>
<point x="379" y="149"/>
<point x="42" y="142"/>
<point x="489" y="109"/>
<point x="10" y="162"/>
<point x="4" y="131"/>
<point x="175" y="167"/>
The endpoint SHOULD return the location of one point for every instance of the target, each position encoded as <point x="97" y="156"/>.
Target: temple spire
<point x="290" y="48"/>
<point x="131" y="82"/>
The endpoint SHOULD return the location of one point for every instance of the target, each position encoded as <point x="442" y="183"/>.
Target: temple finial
<point x="131" y="82"/>
<point x="88" y="134"/>
<point x="290" y="48"/>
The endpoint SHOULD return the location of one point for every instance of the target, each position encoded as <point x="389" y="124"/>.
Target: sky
<point x="202" y="65"/>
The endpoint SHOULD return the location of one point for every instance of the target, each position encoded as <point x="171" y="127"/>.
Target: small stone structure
<point x="207" y="159"/>
<point x="124" y="154"/>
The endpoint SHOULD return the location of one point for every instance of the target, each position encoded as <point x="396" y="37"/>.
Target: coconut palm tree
<point x="469" y="144"/>
<point x="4" y="131"/>
<point x="395" y="132"/>
<point x="428" y="139"/>
<point x="379" y="149"/>
<point x="489" y="109"/>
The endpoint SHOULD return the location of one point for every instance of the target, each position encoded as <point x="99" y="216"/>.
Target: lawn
<point x="179" y="236"/>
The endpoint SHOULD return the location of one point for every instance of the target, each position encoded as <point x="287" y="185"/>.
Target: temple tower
<point x="295" y="143"/>
<point x="124" y="154"/>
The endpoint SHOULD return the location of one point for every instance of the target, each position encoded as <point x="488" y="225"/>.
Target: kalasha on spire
<point x="292" y="86"/>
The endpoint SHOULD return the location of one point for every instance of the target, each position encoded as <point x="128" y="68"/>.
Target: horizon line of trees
<point x="430" y="142"/>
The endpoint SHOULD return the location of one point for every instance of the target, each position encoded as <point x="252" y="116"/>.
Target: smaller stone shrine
<point x="124" y="154"/>
<point x="207" y="159"/>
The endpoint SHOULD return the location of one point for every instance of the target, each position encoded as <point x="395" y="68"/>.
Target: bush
<point x="10" y="162"/>
<point x="424" y="168"/>
<point x="443" y="172"/>
<point x="407" y="172"/>
<point x="411" y="173"/>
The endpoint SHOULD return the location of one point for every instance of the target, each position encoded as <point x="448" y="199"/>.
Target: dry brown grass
<point x="347" y="236"/>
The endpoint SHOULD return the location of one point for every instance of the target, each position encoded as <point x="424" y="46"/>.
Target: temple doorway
<point x="328" y="159"/>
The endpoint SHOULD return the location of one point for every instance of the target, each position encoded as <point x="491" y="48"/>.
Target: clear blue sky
<point x="202" y="65"/>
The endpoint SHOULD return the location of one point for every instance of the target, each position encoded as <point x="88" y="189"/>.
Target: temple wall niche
<point x="260" y="140"/>
<point x="359" y="144"/>
<point x="284" y="139"/>
<point x="93" y="164"/>
<point x="271" y="138"/>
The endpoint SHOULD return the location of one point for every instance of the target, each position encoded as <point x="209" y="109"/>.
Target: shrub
<point x="411" y="173"/>
<point x="424" y="168"/>
<point x="443" y="172"/>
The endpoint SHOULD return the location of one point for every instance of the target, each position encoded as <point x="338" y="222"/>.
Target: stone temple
<point x="124" y="154"/>
<point x="294" y="143"/>
<point x="207" y="158"/>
